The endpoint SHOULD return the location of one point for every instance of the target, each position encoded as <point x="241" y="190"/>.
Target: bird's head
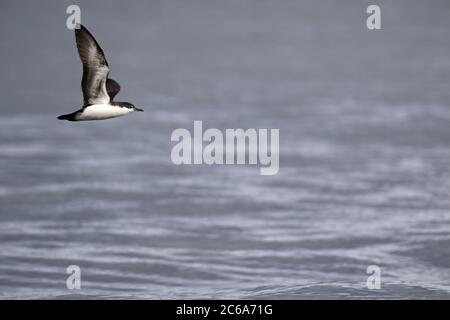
<point x="129" y="106"/>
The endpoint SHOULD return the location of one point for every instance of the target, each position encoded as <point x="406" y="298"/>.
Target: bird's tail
<point x="70" y="117"/>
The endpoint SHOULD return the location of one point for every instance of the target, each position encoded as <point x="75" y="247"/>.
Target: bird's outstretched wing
<point x="112" y="87"/>
<point x="95" y="68"/>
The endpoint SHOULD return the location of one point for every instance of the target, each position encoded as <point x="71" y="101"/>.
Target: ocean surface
<point x="364" y="179"/>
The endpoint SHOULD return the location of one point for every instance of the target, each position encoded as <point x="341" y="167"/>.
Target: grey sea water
<point x="364" y="151"/>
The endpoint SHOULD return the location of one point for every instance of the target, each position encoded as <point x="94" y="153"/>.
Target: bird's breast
<point x="102" y="111"/>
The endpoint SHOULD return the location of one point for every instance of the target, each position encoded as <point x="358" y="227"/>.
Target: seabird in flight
<point x="98" y="90"/>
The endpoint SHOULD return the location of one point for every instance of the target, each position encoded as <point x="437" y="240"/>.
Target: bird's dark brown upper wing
<point x="112" y="87"/>
<point x="95" y="68"/>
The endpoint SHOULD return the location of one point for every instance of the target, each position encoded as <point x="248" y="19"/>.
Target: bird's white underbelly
<point x="102" y="111"/>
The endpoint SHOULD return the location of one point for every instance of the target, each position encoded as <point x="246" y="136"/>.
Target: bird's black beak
<point x="137" y="109"/>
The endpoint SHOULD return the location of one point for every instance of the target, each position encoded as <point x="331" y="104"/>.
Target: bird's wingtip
<point x="78" y="27"/>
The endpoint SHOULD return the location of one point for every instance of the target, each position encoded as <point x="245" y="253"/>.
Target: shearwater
<point x="98" y="90"/>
